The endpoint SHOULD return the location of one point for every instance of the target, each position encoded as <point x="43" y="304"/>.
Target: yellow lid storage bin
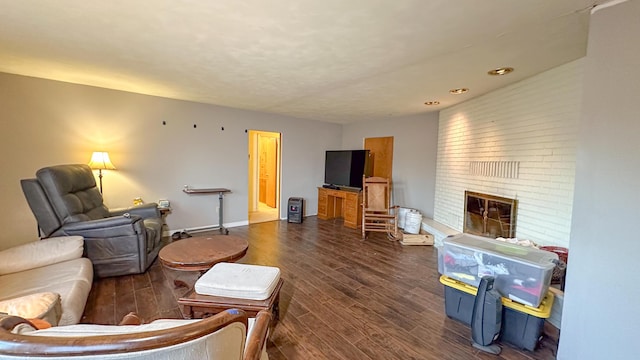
<point x="522" y="274"/>
<point x="543" y="311"/>
<point x="521" y="324"/>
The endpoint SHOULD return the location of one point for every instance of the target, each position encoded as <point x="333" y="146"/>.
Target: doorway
<point x="264" y="176"/>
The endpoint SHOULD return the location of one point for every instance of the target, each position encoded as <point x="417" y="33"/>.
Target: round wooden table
<point x="200" y="253"/>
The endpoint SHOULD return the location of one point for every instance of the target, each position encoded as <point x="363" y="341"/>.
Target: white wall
<point x="533" y="122"/>
<point x="414" y="155"/>
<point x="601" y="319"/>
<point x="47" y="122"/>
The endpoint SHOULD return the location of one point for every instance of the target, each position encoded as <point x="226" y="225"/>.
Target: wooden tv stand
<point x="346" y="204"/>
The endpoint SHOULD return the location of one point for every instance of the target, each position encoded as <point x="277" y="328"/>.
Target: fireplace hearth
<point x="489" y="215"/>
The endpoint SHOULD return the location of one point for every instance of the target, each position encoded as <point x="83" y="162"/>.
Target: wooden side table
<point x="202" y="305"/>
<point x="164" y="211"/>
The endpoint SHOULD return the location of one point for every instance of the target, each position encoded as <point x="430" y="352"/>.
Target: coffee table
<point x="200" y="253"/>
<point x="193" y="303"/>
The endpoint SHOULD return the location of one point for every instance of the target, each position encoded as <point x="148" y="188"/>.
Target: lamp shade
<point x="100" y="161"/>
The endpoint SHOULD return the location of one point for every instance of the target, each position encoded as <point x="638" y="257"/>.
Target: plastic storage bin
<point x="522" y="274"/>
<point x="521" y="324"/>
<point x="561" y="268"/>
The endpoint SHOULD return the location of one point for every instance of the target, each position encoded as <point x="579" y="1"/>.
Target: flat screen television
<point x="344" y="168"/>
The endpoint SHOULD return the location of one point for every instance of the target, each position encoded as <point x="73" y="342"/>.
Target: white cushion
<point x="40" y="253"/>
<point x="226" y="343"/>
<point x="45" y="306"/>
<point x="82" y="330"/>
<point x="239" y="281"/>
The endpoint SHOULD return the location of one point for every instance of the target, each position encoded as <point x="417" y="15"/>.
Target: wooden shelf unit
<point x="346" y="204"/>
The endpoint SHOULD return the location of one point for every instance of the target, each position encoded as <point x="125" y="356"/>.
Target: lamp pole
<point x="99" y="161"/>
<point x="100" y="176"/>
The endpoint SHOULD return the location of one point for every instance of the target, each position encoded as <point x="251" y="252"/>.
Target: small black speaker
<point x="294" y="210"/>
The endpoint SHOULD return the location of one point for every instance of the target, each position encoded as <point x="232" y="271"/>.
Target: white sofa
<point x="46" y="279"/>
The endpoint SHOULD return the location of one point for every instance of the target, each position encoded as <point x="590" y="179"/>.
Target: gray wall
<point x="48" y="122"/>
<point x="415" y="142"/>
<point x="601" y="319"/>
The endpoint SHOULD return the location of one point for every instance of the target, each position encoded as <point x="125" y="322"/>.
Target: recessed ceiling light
<point x="435" y="102"/>
<point x="501" y="71"/>
<point x="458" y="91"/>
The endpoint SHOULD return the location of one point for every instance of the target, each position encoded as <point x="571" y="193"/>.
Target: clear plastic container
<point x="522" y="274"/>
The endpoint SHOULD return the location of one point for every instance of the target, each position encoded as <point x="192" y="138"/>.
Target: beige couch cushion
<point x="40" y="253"/>
<point x="45" y="306"/>
<point x="71" y="279"/>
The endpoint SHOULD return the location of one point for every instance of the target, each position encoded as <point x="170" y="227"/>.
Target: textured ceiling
<point x="333" y="60"/>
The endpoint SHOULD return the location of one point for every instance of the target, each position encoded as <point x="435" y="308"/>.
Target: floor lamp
<point x="100" y="161"/>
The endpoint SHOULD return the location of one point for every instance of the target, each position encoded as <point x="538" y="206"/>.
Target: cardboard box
<point x="423" y="238"/>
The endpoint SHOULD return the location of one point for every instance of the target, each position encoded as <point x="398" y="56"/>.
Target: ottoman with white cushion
<point x="229" y="285"/>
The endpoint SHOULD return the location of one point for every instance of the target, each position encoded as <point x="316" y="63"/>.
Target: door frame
<point x="254" y="169"/>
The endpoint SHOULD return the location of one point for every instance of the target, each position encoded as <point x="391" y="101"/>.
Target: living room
<point x="159" y="145"/>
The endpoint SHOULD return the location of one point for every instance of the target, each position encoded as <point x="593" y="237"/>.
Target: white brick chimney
<point x="517" y="142"/>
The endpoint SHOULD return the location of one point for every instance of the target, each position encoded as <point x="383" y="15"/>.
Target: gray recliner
<point x="66" y="201"/>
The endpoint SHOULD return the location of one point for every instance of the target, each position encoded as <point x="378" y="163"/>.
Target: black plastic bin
<point x="521" y="324"/>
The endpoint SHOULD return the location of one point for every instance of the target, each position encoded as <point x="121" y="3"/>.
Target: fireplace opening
<point x="489" y="215"/>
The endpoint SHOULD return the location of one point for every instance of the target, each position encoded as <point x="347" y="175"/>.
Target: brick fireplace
<point x="489" y="215"/>
<point x="518" y="142"/>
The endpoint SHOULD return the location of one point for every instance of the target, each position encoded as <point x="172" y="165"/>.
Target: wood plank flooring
<point x="343" y="298"/>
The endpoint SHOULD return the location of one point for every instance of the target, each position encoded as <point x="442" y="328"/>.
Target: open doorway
<point x="264" y="176"/>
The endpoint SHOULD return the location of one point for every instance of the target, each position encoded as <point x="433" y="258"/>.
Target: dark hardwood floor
<point x="343" y="298"/>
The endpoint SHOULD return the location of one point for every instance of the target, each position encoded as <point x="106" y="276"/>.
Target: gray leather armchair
<point x="66" y="201"/>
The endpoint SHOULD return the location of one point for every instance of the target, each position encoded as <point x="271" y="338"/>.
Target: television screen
<point x="345" y="167"/>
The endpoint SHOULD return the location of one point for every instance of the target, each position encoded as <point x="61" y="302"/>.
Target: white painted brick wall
<point x="534" y="122"/>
